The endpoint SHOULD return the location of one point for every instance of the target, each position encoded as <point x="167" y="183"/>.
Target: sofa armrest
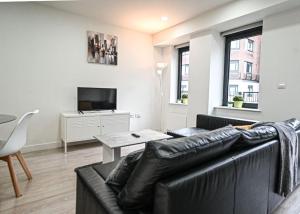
<point x="207" y="189"/>
<point x="210" y="122"/>
<point x="93" y="196"/>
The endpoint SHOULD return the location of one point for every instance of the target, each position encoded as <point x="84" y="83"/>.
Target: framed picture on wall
<point x="102" y="48"/>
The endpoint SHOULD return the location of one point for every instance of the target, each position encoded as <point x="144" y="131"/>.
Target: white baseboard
<point x="50" y="145"/>
<point x="42" y="146"/>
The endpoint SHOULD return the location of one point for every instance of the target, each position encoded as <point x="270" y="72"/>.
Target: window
<point x="233" y="91"/>
<point x="250" y="91"/>
<point x="243" y="82"/>
<point x="250" y="88"/>
<point x="250" y="44"/>
<point x="183" y="71"/>
<point x="249" y="67"/>
<point x="234" y="65"/>
<point x="235" y="45"/>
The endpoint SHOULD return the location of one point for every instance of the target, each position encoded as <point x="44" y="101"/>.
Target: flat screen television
<point x="96" y="99"/>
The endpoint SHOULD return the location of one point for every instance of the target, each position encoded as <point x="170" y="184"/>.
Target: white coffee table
<point x="112" y="143"/>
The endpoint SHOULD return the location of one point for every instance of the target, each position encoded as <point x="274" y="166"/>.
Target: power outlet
<point x="137" y="116"/>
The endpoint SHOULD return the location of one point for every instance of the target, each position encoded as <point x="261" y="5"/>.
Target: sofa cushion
<point x="120" y="174"/>
<point x="163" y="158"/>
<point x="104" y="169"/>
<point x="258" y="135"/>
<point x="244" y="127"/>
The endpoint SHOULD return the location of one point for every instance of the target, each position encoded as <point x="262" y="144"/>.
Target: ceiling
<point x="140" y="15"/>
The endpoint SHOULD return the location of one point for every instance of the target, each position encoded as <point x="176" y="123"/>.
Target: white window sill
<point x="238" y="109"/>
<point x="178" y="104"/>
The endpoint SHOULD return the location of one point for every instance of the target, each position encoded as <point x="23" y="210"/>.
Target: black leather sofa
<point x="241" y="181"/>
<point x="208" y="122"/>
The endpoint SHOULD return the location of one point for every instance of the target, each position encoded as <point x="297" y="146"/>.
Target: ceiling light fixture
<point x="164" y="18"/>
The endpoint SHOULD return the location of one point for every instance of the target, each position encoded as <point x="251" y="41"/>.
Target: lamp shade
<point x="161" y="65"/>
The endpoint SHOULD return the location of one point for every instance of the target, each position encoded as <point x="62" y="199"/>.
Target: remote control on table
<point x="135" y="135"/>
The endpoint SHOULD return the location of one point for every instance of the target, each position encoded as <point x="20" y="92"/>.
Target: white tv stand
<point x="83" y="127"/>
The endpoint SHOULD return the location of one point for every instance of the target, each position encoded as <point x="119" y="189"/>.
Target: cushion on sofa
<point x="258" y="135"/>
<point x="104" y="169"/>
<point x="244" y="127"/>
<point x="163" y="158"/>
<point x="120" y="174"/>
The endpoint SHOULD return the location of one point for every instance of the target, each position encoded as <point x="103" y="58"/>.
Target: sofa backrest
<point x="164" y="158"/>
<point x="210" y="122"/>
<point x="239" y="183"/>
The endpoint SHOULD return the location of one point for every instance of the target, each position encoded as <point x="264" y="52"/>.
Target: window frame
<point x="179" y="73"/>
<point x="228" y="39"/>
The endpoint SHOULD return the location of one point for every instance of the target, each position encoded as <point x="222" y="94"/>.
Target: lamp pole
<point x="160" y="70"/>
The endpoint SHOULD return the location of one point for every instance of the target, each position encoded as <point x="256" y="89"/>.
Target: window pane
<point x="250" y="44"/>
<point x="234" y="65"/>
<point x="235" y="44"/>
<point x="244" y="69"/>
<point x="183" y="72"/>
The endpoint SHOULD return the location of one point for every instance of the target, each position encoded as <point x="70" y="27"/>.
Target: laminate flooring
<point x="53" y="188"/>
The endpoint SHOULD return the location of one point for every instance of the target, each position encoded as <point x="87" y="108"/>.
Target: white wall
<point x="216" y="71"/>
<point x="280" y="63"/>
<point x="199" y="76"/>
<point x="43" y="59"/>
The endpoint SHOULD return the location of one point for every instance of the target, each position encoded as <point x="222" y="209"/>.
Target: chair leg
<point x="24" y="165"/>
<point x="13" y="176"/>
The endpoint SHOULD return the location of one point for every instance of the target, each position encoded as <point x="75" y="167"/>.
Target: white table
<point x="112" y="143"/>
<point x="5" y="118"/>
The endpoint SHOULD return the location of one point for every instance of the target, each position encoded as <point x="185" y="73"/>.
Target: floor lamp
<point x="160" y="67"/>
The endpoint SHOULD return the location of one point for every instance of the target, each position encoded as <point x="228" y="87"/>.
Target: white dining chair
<point x="12" y="148"/>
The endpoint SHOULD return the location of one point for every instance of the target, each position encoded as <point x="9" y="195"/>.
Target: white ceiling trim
<point x="233" y="15"/>
<point x="140" y="15"/>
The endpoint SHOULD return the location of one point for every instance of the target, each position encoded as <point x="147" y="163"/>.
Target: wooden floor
<point x="52" y="189"/>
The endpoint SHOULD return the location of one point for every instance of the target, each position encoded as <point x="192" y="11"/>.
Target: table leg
<point x="117" y="154"/>
<point x="110" y="155"/>
<point x="65" y="147"/>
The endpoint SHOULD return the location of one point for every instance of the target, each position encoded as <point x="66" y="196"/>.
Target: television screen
<point x="93" y="99"/>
